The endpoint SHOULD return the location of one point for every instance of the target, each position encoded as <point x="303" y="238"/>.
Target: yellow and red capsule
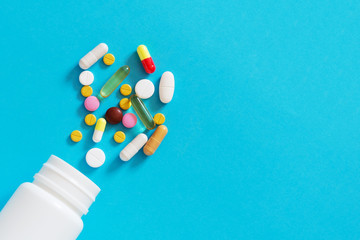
<point x="146" y="59"/>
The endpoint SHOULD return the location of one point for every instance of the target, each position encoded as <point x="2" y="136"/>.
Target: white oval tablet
<point x="144" y="89"/>
<point x="95" y="157"/>
<point x="166" y="87"/>
<point x="93" y="56"/>
<point x="133" y="147"/>
<point x="86" y="78"/>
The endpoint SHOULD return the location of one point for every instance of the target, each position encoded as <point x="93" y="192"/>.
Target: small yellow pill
<point x="109" y="59"/>
<point x="90" y="119"/>
<point x="125" y="104"/>
<point x="125" y="89"/>
<point x="119" y="137"/>
<point x="159" y="118"/>
<point x="76" y="136"/>
<point x="86" y="91"/>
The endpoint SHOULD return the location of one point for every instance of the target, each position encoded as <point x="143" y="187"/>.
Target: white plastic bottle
<point x="51" y="207"/>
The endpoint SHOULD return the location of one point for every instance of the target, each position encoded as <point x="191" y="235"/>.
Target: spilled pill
<point x="95" y="157"/>
<point x="113" y="115"/>
<point x="129" y="120"/>
<point x="125" y="89"/>
<point x="133" y="147"/>
<point x="155" y="140"/>
<point x="146" y="59"/>
<point x="91" y="103"/>
<point x="76" y="136"/>
<point x="159" y="118"/>
<point x="125" y="104"/>
<point x="93" y="56"/>
<point x="90" y="119"/>
<point x="99" y="130"/>
<point x="86" y="91"/>
<point x="86" y="78"/>
<point x="166" y="87"/>
<point x="109" y="59"/>
<point x="119" y="137"/>
<point x="144" y="89"/>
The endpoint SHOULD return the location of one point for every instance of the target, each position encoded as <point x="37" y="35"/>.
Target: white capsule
<point x="95" y="157"/>
<point x="99" y="130"/>
<point x="144" y="89"/>
<point x="133" y="147"/>
<point x="93" y="56"/>
<point x="167" y="87"/>
<point x="86" y="78"/>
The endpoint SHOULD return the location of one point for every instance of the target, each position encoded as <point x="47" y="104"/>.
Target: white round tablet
<point x="86" y="78"/>
<point x="95" y="157"/>
<point x="144" y="89"/>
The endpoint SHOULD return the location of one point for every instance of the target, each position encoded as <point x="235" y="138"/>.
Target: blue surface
<point x="264" y="129"/>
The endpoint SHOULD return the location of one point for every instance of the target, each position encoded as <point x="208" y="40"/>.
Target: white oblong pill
<point x="95" y="157"/>
<point x="133" y="147"/>
<point x="86" y="78"/>
<point x="144" y="89"/>
<point x="93" y="56"/>
<point x="166" y="87"/>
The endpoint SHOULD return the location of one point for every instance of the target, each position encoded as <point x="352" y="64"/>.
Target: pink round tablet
<point x="91" y="103"/>
<point x="129" y="120"/>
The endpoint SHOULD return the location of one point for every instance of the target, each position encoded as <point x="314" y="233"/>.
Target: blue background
<point x="264" y="130"/>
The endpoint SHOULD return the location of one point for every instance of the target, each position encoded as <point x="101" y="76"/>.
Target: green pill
<point x="114" y="81"/>
<point x="143" y="113"/>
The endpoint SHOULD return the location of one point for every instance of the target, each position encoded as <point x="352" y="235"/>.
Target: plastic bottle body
<point x="51" y="207"/>
<point x="34" y="214"/>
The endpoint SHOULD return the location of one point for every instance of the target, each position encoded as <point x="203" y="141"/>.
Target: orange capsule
<point x="146" y="59"/>
<point x="155" y="140"/>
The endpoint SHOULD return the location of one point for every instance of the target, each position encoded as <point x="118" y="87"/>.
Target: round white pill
<point x="95" y="157"/>
<point x="144" y="89"/>
<point x="86" y="78"/>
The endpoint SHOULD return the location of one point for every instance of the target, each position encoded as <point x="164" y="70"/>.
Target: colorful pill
<point x="114" y="81"/>
<point x="125" y="89"/>
<point x="166" y="87"/>
<point x="91" y="103"/>
<point x="119" y="137"/>
<point x="109" y="59"/>
<point x="125" y="104"/>
<point x="155" y="140"/>
<point x="113" y="115"/>
<point x="146" y="59"/>
<point x="93" y="56"/>
<point x="129" y="120"/>
<point x="133" y="147"/>
<point x="99" y="130"/>
<point x="86" y="91"/>
<point x="76" y="136"/>
<point x="143" y="113"/>
<point x="90" y="119"/>
<point x="159" y="118"/>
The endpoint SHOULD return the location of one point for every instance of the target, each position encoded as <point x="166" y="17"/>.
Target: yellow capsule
<point x="143" y="52"/>
<point x="125" y="89"/>
<point x="76" y="136"/>
<point x="159" y="118"/>
<point x="99" y="130"/>
<point x="90" y="119"/>
<point x="119" y="136"/>
<point x="86" y="91"/>
<point x="109" y="59"/>
<point x="125" y="104"/>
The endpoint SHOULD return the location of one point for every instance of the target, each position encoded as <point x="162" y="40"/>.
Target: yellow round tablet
<point x="86" y="91"/>
<point x="119" y="137"/>
<point x="125" y="104"/>
<point x="159" y="118"/>
<point x="125" y="89"/>
<point x="90" y="119"/>
<point x="109" y="59"/>
<point x="76" y="136"/>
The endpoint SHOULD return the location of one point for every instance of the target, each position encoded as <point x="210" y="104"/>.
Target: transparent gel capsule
<point x="114" y="81"/>
<point x="143" y="113"/>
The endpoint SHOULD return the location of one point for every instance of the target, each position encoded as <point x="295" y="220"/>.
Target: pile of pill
<point x="144" y="89"/>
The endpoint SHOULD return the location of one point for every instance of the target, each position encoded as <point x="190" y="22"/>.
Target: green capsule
<point x="114" y="81"/>
<point x="143" y="113"/>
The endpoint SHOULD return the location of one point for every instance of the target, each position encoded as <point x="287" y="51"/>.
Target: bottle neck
<point x="67" y="184"/>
